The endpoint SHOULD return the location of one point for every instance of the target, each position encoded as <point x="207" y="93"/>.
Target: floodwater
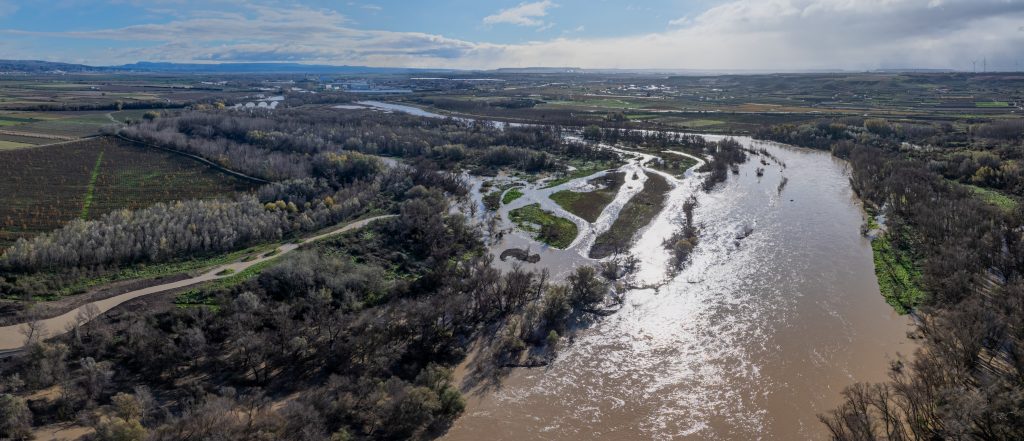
<point x="751" y="341"/>
<point x="758" y="335"/>
<point x="392" y="107"/>
<point x="557" y="261"/>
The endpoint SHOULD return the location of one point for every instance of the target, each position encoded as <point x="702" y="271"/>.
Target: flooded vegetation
<point x="548" y="228"/>
<point x="776" y="310"/>
<point x="590" y="201"/>
<point x="636" y="214"/>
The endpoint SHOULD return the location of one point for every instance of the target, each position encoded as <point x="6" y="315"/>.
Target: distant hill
<point x="267" y="68"/>
<point x="538" y="70"/>
<point x="36" y="66"/>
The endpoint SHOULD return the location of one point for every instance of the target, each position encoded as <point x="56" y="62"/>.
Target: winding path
<point x="12" y="338"/>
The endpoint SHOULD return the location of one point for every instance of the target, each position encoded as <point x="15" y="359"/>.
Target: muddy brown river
<point x="751" y="341"/>
<point x="754" y="339"/>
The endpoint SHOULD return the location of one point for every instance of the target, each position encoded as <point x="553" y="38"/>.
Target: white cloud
<point x="805" y="34"/>
<point x="681" y="21"/>
<point x="782" y="35"/>
<point x="367" y="6"/>
<point x="526" y="14"/>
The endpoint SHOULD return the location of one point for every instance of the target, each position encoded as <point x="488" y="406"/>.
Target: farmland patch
<point x="47" y="186"/>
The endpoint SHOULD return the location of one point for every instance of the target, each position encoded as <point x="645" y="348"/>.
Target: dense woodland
<point x="351" y="338"/>
<point x="291" y="143"/>
<point x="988" y="154"/>
<point x="967" y="380"/>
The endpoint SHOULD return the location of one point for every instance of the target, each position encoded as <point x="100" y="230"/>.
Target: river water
<point x="751" y="341"/>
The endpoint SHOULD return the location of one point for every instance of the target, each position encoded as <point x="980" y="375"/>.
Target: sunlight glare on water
<point x="752" y="340"/>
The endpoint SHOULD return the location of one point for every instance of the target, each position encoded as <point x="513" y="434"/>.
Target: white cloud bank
<point x="526" y="14"/>
<point x="783" y="35"/>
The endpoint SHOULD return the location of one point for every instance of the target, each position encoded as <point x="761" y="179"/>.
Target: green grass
<point x="132" y="114"/>
<point x="32" y="141"/>
<point x="591" y="204"/>
<point x="11" y="145"/>
<point x="899" y="278"/>
<point x="90" y="190"/>
<point x="1004" y="202"/>
<point x="193" y="298"/>
<point x="10" y="119"/>
<point x="511" y="195"/>
<point x="240" y="277"/>
<point x="698" y="123"/>
<point x="607" y="103"/>
<point x="143" y="272"/>
<point x="673" y="164"/>
<point x="556" y="231"/>
<point x="204" y="296"/>
<point x="992" y="104"/>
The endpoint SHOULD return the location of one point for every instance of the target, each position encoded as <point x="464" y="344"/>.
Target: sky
<point x="776" y="35"/>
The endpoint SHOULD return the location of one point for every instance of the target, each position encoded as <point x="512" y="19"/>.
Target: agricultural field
<point x="47" y="127"/>
<point x="21" y="94"/>
<point x="732" y="104"/>
<point x="11" y="145"/>
<point x="21" y="139"/>
<point x="47" y="186"/>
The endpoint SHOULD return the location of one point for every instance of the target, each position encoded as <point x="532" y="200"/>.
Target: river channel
<point x="753" y="339"/>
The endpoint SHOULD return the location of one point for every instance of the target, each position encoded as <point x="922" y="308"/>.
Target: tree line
<point x="985" y="154"/>
<point x="287" y="143"/>
<point x="965" y="382"/>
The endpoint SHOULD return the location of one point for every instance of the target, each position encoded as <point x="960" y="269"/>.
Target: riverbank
<point x="751" y="339"/>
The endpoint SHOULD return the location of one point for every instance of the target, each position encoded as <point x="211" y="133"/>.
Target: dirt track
<point x="12" y="338"/>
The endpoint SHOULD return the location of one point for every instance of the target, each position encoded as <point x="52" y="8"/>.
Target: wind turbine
<point x="975" y="64"/>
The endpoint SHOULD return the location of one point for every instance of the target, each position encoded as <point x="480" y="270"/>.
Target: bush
<point x="119" y="429"/>
<point x="15" y="418"/>
<point x="586" y="289"/>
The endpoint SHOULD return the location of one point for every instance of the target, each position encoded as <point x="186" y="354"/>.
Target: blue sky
<point x="695" y="34"/>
